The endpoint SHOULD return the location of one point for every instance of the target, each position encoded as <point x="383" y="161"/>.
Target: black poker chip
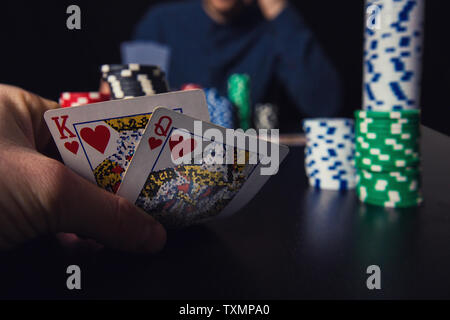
<point x="134" y="80"/>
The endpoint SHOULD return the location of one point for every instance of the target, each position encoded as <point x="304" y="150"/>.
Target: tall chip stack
<point x="239" y="95"/>
<point x="134" y="80"/>
<point x="388" y="129"/>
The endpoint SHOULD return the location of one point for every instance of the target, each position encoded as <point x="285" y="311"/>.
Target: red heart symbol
<point x="188" y="144"/>
<point x="98" y="138"/>
<point x="154" y="143"/>
<point x="72" y="146"/>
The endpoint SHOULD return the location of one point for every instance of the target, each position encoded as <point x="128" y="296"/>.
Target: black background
<point x="40" y="54"/>
<point x="292" y="250"/>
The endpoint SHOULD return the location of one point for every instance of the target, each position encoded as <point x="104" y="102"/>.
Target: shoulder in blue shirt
<point x="207" y="53"/>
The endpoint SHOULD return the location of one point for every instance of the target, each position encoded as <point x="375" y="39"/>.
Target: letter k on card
<point x="98" y="140"/>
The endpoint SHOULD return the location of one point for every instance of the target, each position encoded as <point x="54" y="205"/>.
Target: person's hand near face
<point x="272" y="8"/>
<point x="221" y="10"/>
<point x="39" y="195"/>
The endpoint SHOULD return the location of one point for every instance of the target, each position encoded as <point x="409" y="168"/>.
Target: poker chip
<point x="190" y="86"/>
<point x="265" y="116"/>
<point x="387" y="157"/>
<point x="73" y="99"/>
<point x="239" y="95"/>
<point x="330" y="153"/>
<point x="134" y="80"/>
<point x="393" y="48"/>
<point x="220" y="108"/>
<point x="392" y="189"/>
<point x="405" y="114"/>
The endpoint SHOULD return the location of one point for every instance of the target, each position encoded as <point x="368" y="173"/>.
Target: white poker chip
<point x="392" y="56"/>
<point x="330" y="153"/>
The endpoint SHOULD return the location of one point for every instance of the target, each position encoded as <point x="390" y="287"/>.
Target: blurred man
<point x="267" y="39"/>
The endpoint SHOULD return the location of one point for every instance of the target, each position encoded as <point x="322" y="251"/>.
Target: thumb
<point x="87" y="210"/>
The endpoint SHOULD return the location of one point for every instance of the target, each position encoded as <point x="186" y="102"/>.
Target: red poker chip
<point x="190" y="86"/>
<point x="72" y="99"/>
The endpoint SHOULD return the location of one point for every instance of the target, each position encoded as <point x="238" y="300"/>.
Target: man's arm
<point x="310" y="78"/>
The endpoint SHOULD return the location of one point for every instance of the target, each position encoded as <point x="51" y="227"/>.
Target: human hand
<point x="39" y="195"/>
<point x="272" y="8"/>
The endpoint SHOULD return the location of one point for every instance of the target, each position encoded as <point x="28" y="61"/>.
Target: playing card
<point x="98" y="140"/>
<point x="180" y="194"/>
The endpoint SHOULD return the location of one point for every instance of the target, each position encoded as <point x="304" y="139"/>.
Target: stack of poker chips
<point x="73" y="99"/>
<point x="134" y="80"/>
<point x="220" y="108"/>
<point x="239" y="95"/>
<point x="388" y="130"/>
<point x="329" y="153"/>
<point x="388" y="158"/>
<point x="392" y="54"/>
<point x="265" y="116"/>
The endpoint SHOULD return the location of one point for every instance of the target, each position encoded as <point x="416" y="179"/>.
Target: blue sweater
<point x="207" y="53"/>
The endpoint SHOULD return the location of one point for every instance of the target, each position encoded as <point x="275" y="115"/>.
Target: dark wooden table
<point x="290" y="242"/>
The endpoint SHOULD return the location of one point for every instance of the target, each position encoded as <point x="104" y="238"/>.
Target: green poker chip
<point x="397" y="150"/>
<point x="406" y="140"/>
<point x="386" y="157"/>
<point x="373" y="137"/>
<point x="384" y="135"/>
<point x="407" y="148"/>
<point x="381" y="183"/>
<point x="408" y="172"/>
<point x="383" y="149"/>
<point x="239" y="95"/>
<point x="381" y="121"/>
<point x="364" y="114"/>
<point x="389" y="204"/>
<point x="387" y="160"/>
<point x="394" y="196"/>
<point x="414" y="130"/>
<point x="387" y="132"/>
<point x="391" y="196"/>
<point x="388" y="126"/>
<point x="375" y="167"/>
<point x="387" y="129"/>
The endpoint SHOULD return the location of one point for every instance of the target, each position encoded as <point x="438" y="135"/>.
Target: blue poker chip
<point x="339" y="184"/>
